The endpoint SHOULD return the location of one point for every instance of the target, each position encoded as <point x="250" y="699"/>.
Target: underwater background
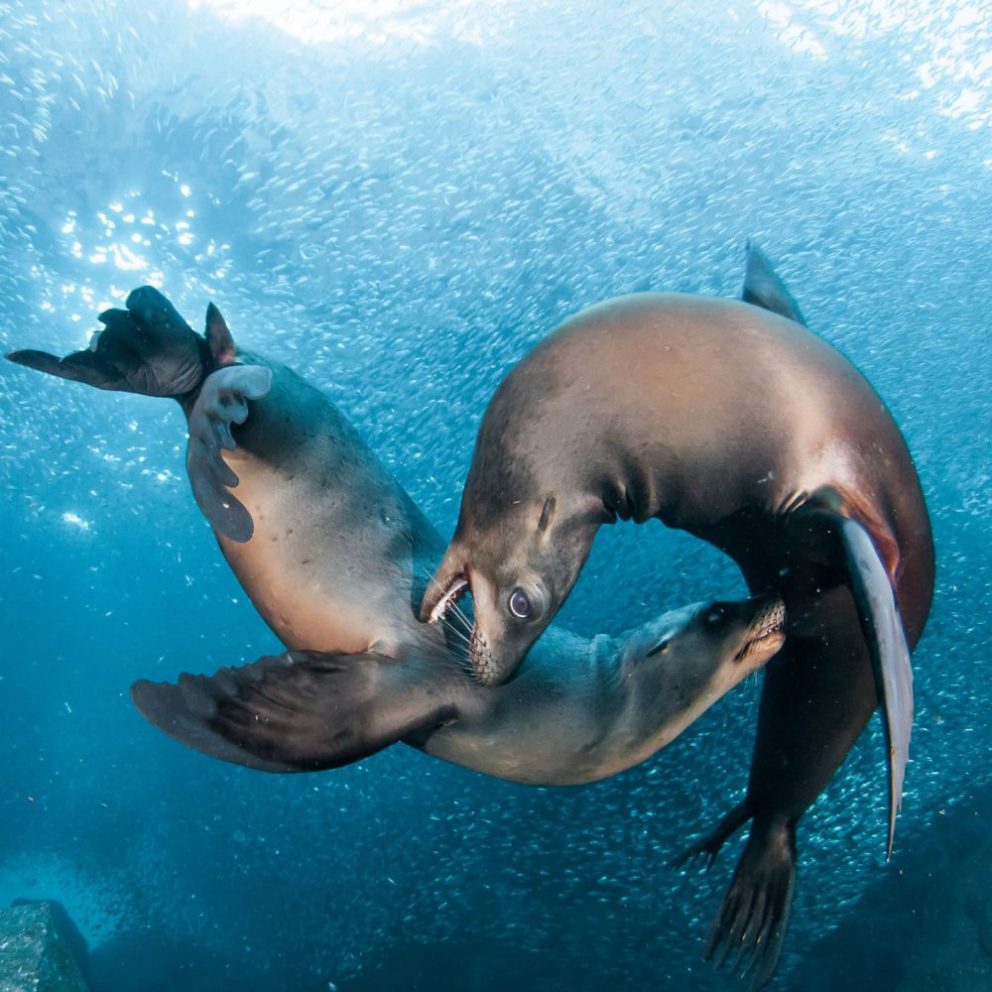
<point x="397" y="199"/>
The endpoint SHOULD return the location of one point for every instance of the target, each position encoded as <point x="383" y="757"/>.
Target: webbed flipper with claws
<point x="147" y="349"/>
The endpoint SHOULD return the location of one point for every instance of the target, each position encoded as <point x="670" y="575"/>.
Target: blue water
<point x="397" y="199"/>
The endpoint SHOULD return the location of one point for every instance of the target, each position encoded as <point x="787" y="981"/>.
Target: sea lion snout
<point x="510" y="610"/>
<point x="721" y="635"/>
<point x="765" y="633"/>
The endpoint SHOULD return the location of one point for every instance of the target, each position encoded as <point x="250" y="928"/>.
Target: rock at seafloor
<point x="37" y="952"/>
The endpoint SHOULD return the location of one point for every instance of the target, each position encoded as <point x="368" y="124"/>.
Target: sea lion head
<point x="519" y="568"/>
<point x="667" y="672"/>
<point x="686" y="659"/>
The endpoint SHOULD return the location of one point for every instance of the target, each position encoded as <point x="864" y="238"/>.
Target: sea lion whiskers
<point x="459" y="625"/>
<point x="457" y="656"/>
<point x="480" y="659"/>
<point x="460" y="652"/>
<point x="457" y="632"/>
<point x="465" y="644"/>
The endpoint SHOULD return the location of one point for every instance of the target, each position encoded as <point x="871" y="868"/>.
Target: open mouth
<point x="455" y="591"/>
<point x="767" y="626"/>
<point x="461" y="621"/>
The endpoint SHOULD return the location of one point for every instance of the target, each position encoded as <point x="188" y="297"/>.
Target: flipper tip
<point x="763" y="287"/>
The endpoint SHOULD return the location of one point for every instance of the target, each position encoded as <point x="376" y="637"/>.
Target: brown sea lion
<point x="735" y="423"/>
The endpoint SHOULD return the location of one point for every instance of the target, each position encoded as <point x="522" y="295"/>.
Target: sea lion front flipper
<point x="861" y="558"/>
<point x="886" y="638"/>
<point x="223" y="402"/>
<point x="147" y="349"/>
<point x="763" y="286"/>
<point x="295" y="712"/>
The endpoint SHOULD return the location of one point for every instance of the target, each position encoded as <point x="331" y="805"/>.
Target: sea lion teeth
<point x="452" y="595"/>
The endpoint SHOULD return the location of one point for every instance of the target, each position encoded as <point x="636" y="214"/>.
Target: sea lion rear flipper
<point x="754" y="915"/>
<point x="80" y="366"/>
<point x="147" y="349"/>
<point x="886" y="639"/>
<point x="763" y="287"/>
<point x="708" y="847"/>
<point x="223" y="402"/>
<point x="299" y="711"/>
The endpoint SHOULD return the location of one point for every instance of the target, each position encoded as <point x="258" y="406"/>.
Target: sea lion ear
<point x="222" y="345"/>
<point x="547" y="514"/>
<point x="763" y="287"/>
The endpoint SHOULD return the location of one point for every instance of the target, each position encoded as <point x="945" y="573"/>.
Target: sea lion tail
<point x="750" y="925"/>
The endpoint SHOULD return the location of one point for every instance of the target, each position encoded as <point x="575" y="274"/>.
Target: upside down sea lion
<point x="334" y="554"/>
<point x="733" y="422"/>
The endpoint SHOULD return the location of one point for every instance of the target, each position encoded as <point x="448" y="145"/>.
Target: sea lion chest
<point x="329" y="565"/>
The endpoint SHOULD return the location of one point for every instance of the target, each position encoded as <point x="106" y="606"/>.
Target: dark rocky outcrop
<point x="40" y="950"/>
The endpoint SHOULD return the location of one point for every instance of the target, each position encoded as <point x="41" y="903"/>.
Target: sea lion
<point x="733" y="422"/>
<point x="333" y="553"/>
<point x="581" y="712"/>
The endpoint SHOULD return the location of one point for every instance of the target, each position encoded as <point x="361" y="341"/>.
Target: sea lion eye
<point x="519" y="604"/>
<point x="659" y="648"/>
<point x="714" y="615"/>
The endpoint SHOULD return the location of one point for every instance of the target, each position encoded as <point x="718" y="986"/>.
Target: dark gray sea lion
<point x="333" y="553"/>
<point x="735" y="423"/>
